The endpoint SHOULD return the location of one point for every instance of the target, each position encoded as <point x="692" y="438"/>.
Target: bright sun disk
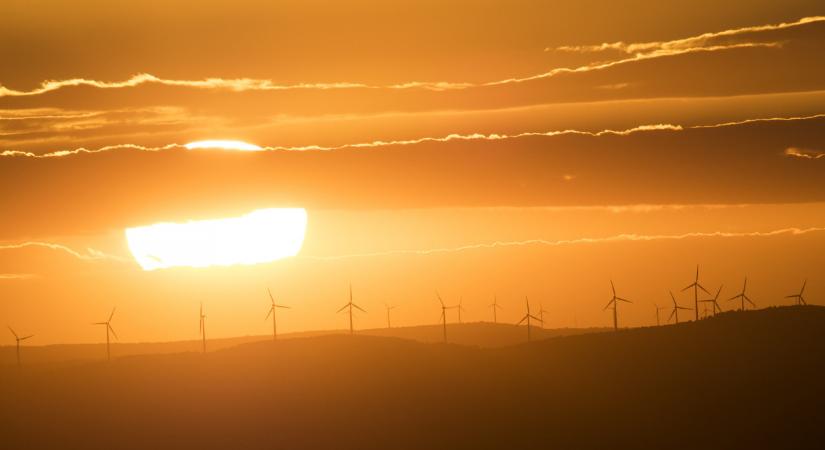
<point x="224" y="145"/>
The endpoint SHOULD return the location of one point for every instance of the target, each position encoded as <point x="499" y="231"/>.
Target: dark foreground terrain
<point x="739" y="380"/>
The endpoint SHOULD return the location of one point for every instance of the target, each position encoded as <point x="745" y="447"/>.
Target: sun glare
<point x="261" y="236"/>
<point x="224" y="145"/>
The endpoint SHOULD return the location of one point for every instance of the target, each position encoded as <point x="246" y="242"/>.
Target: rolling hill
<point x="738" y="380"/>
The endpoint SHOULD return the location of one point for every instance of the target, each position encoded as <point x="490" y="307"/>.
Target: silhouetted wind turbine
<point x="460" y="308"/>
<point x="658" y="308"/>
<point x="800" y="300"/>
<point x="495" y="306"/>
<point x="742" y="296"/>
<point x="676" y="308"/>
<point x="714" y="301"/>
<point x="389" y="308"/>
<point x="202" y="327"/>
<point x="615" y="302"/>
<point x="350" y="305"/>
<point x="444" y="309"/>
<point x="527" y="317"/>
<point x="696" y="286"/>
<point x="541" y="314"/>
<point x="108" y="325"/>
<point x="272" y="312"/>
<point x="18" y="338"/>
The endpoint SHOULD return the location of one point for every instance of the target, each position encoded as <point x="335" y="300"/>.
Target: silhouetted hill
<point x="739" y="380"/>
<point x="480" y="334"/>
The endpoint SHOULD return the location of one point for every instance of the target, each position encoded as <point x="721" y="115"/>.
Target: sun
<point x="224" y="145"/>
<point x="261" y="236"/>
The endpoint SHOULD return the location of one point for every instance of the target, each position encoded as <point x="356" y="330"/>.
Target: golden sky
<point x="478" y="148"/>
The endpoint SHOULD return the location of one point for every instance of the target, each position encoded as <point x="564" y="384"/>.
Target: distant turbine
<point x="527" y="317"/>
<point x="742" y="296"/>
<point x="658" y="308"/>
<point x="494" y="307"/>
<point x="615" y="302"/>
<point x="18" y="338"/>
<point x="696" y="286"/>
<point x="460" y="308"/>
<point x="444" y="309"/>
<point x="714" y="301"/>
<point x="389" y="308"/>
<point x="676" y="308"/>
<point x="272" y="313"/>
<point x="108" y="325"/>
<point x="800" y="300"/>
<point x="541" y="314"/>
<point x="202" y="327"/>
<point x="350" y="305"/>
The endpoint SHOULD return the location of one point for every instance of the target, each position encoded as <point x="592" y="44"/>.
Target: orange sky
<point x="589" y="140"/>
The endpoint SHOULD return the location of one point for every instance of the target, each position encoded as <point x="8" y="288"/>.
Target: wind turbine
<point x="202" y="327"/>
<point x="714" y="301"/>
<point x="389" y="308"/>
<point x="541" y="314"/>
<point x="495" y="306"/>
<point x="272" y="312"/>
<point x="527" y="317"/>
<point x="676" y="308"/>
<point x="350" y="305"/>
<point x="696" y="286"/>
<point x="460" y="308"/>
<point x="444" y="309"/>
<point x="658" y="308"/>
<point x="615" y="302"/>
<point x="108" y="325"/>
<point x="800" y="300"/>
<point x="742" y="296"/>
<point x="18" y="338"/>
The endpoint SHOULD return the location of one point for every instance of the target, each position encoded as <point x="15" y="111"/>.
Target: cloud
<point x="405" y="142"/>
<point x="89" y="254"/>
<point x="639" y="51"/>
<point x="804" y="153"/>
<point x="638" y="48"/>
<point x="17" y="276"/>
<point x="577" y="241"/>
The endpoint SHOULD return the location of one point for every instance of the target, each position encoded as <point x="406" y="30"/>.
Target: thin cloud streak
<point x="89" y="255"/>
<point x="640" y="52"/>
<point x="684" y="43"/>
<point x="447" y="138"/>
<point x="568" y="242"/>
<point x="804" y="153"/>
<point x="17" y="276"/>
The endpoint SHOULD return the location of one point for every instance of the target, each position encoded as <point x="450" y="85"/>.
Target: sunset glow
<point x="223" y="145"/>
<point x="261" y="236"/>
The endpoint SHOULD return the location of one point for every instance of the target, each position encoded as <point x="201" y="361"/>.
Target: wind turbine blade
<point x="439" y="298"/>
<point x="269" y="313"/>
<point x="803" y="287"/>
<point x="100" y="323"/>
<point x="703" y="288"/>
<point x="26" y="337"/>
<point x="613" y="287"/>
<point x="522" y="320"/>
<point x="358" y="307"/>
<point x="718" y="292"/>
<point x="609" y="303"/>
<point x="536" y="318"/>
<point x="12" y="332"/>
<point x="688" y="287"/>
<point x="112" y="330"/>
<point x="623" y="299"/>
<point x="283" y="306"/>
<point x="270" y="295"/>
<point x="672" y="297"/>
<point x="672" y="313"/>
<point x="343" y="307"/>
<point x="111" y="315"/>
<point x="735" y="297"/>
<point x="792" y="296"/>
<point x="749" y="300"/>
